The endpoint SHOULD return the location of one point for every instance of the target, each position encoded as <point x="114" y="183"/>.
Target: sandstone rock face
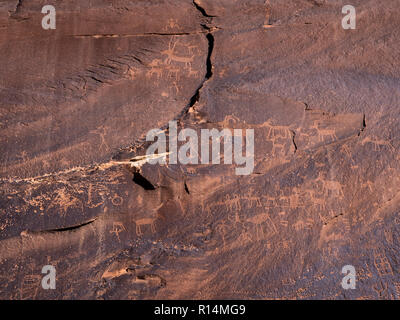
<point x="77" y="102"/>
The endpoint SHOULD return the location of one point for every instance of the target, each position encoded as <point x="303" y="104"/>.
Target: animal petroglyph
<point x="323" y="132"/>
<point x="378" y="143"/>
<point x="148" y="221"/>
<point x="330" y="186"/>
<point x="172" y="57"/>
<point x="156" y="68"/>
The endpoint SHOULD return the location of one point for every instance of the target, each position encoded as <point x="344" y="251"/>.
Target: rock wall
<point x="77" y="102"/>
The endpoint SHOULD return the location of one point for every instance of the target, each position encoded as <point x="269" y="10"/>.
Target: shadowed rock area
<point x="77" y="102"/>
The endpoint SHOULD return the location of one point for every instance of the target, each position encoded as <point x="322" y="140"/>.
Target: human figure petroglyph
<point x="176" y="86"/>
<point x="172" y="24"/>
<point x="205" y="208"/>
<point x="101" y="132"/>
<point x="236" y="219"/>
<point x="117" y="228"/>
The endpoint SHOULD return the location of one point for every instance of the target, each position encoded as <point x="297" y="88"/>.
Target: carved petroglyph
<point x="148" y="221"/>
<point x="330" y="187"/>
<point x="261" y="221"/>
<point x="63" y="201"/>
<point x="156" y="68"/>
<point x="172" y="24"/>
<point x="172" y="57"/>
<point x="382" y="264"/>
<point x="378" y="143"/>
<point x="323" y="132"/>
<point x="117" y="200"/>
<point x="381" y="289"/>
<point x="396" y="286"/>
<point x="117" y="228"/>
<point x="254" y="201"/>
<point x="233" y="203"/>
<point x="94" y="191"/>
<point x="306" y="224"/>
<point x="30" y="286"/>
<point x="171" y="64"/>
<point x="102" y="132"/>
<point x="278" y="132"/>
<point x="143" y="222"/>
<point x="280" y="137"/>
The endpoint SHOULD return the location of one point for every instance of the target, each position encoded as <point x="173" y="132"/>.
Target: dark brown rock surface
<point x="77" y="102"/>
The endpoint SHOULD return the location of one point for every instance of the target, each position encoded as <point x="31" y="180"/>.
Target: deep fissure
<point x="142" y="181"/>
<point x="71" y="228"/>
<point x="210" y="39"/>
<point x="202" y="10"/>
<point x="209" y="73"/>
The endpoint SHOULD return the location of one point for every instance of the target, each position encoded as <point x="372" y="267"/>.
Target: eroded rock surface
<point x="77" y="102"/>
